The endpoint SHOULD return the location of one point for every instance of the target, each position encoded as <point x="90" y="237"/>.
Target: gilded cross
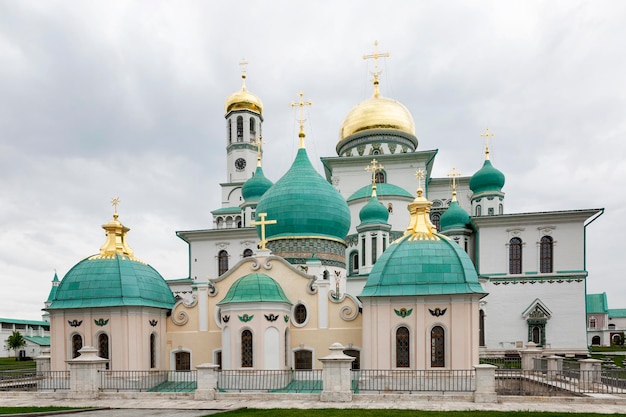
<point x="487" y="135"/>
<point x="420" y="174"/>
<point x="374" y="167"/>
<point x="258" y="144"/>
<point x="300" y="104"/>
<point x="115" y="201"/>
<point x="376" y="72"/>
<point x="454" y="174"/>
<point x="262" y="223"/>
<point x="244" y="65"/>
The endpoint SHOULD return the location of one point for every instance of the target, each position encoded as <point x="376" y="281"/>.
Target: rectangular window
<point x="374" y="245"/>
<point x="363" y="251"/>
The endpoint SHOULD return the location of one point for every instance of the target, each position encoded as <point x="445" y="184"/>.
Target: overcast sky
<point x="114" y="98"/>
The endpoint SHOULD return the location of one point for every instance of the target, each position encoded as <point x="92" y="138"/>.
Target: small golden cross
<point x="258" y="144"/>
<point x="374" y="167"/>
<point x="301" y="119"/>
<point x="262" y="223"/>
<point x="244" y="65"/>
<point x="420" y="175"/>
<point x="487" y="135"/>
<point x="454" y="174"/>
<point x="115" y="201"/>
<point x="376" y="72"/>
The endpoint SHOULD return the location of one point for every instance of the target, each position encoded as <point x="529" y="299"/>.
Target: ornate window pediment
<point x="537" y="312"/>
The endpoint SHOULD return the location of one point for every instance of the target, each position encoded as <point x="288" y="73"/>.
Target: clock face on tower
<point x="240" y="164"/>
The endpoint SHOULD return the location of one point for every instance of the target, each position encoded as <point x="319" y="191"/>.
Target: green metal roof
<point x="487" y="178"/>
<point x="422" y="267"/>
<point x="304" y="204"/>
<point x="227" y="210"/>
<point x="39" y="340"/>
<point x="28" y="322"/>
<point x="617" y="313"/>
<point x="53" y="290"/>
<point x="254" y="288"/>
<point x="255" y="187"/>
<point x="374" y="212"/>
<point x="454" y="217"/>
<point x="596" y="304"/>
<point x="111" y="282"/>
<point x="382" y="190"/>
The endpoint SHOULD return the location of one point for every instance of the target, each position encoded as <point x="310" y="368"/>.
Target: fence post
<point x="528" y="356"/>
<point x="336" y="380"/>
<point x="555" y="366"/>
<point x="485" y="384"/>
<point x="43" y="361"/>
<point x="590" y="373"/>
<point x="207" y="381"/>
<point x="84" y="376"/>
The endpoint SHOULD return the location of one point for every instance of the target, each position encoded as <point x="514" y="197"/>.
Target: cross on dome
<point x="300" y="104"/>
<point x="454" y="174"/>
<point x="420" y="174"/>
<point x="487" y="135"/>
<point x="262" y="223"/>
<point x="374" y="167"/>
<point x="376" y="72"/>
<point x="258" y="144"/>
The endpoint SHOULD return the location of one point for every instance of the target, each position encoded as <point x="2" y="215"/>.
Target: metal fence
<point x="270" y="380"/>
<point x="31" y="380"/>
<point x="151" y="381"/>
<point x="560" y="383"/>
<point x="407" y="380"/>
<point x="503" y="362"/>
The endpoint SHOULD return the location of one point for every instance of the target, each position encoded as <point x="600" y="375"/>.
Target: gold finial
<point x="115" y="243"/>
<point x="115" y="201"/>
<point x="262" y="223"/>
<point x="454" y="174"/>
<point x="301" y="119"/>
<point x="376" y="72"/>
<point x="420" y="174"/>
<point x="487" y="135"/>
<point x="374" y="167"/>
<point x="244" y="66"/>
<point x="258" y="144"/>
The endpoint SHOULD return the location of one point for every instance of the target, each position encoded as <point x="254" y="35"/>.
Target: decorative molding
<point x="403" y="312"/>
<point x="75" y="323"/>
<point x="222" y="245"/>
<point x="181" y="318"/>
<point x="271" y="317"/>
<point x="153" y="322"/>
<point x="438" y="312"/>
<point x="246" y="318"/>
<point x="101" y="322"/>
<point x="286" y="318"/>
<point x="226" y="318"/>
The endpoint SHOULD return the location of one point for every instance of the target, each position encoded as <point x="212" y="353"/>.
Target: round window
<point x="300" y="313"/>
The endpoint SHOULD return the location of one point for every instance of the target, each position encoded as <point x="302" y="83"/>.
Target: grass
<point x="7" y="364"/>
<point x="330" y="412"/>
<point x="24" y="410"/>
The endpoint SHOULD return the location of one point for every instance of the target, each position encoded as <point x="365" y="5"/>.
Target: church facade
<point x="426" y="279"/>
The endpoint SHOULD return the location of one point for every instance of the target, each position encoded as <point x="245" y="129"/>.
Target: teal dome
<point x="454" y="217"/>
<point x="116" y="281"/>
<point x="374" y="212"/>
<point x="486" y="179"/>
<point x="382" y="190"/>
<point x="255" y="288"/>
<point x="255" y="187"/>
<point x="304" y="205"/>
<point x="422" y="267"/>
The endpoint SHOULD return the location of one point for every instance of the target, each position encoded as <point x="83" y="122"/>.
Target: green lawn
<point x="392" y="413"/>
<point x="24" y="410"/>
<point x="7" y="364"/>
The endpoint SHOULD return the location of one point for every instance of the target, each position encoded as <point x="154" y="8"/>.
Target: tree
<point x="15" y="342"/>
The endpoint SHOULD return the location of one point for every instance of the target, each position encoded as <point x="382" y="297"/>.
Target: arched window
<point x="247" y="352"/>
<point x="239" y="129"/>
<point x="478" y="210"/>
<point x="77" y="344"/>
<point x="303" y="359"/>
<point x="103" y="347"/>
<point x="536" y="335"/>
<point x="515" y="256"/>
<point x="402" y="348"/>
<point x="481" y="327"/>
<point x="183" y="361"/>
<point x="434" y="218"/>
<point x="500" y="209"/>
<point x="437" y="347"/>
<point x="252" y="129"/>
<point x="592" y="322"/>
<point x="611" y="326"/>
<point x="222" y="262"/>
<point x="153" y="351"/>
<point x="374" y="249"/>
<point x="247" y="253"/>
<point x="230" y="131"/>
<point x="546" y="254"/>
<point x="354" y="262"/>
<point x="595" y="341"/>
<point x="380" y="177"/>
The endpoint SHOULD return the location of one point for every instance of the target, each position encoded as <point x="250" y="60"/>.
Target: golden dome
<point x="243" y="100"/>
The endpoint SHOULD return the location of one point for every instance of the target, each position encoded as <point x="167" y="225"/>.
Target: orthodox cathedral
<point x="405" y="270"/>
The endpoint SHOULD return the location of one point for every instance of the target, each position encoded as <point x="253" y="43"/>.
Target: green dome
<point x="412" y="267"/>
<point x="454" y="217"/>
<point x="255" y="288"/>
<point x="374" y="212"/>
<point x="382" y="190"/>
<point x="487" y="178"/>
<point x="113" y="281"/>
<point x="304" y="205"/>
<point x="255" y="187"/>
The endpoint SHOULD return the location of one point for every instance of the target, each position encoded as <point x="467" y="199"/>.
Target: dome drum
<point x="376" y="140"/>
<point x="297" y="251"/>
